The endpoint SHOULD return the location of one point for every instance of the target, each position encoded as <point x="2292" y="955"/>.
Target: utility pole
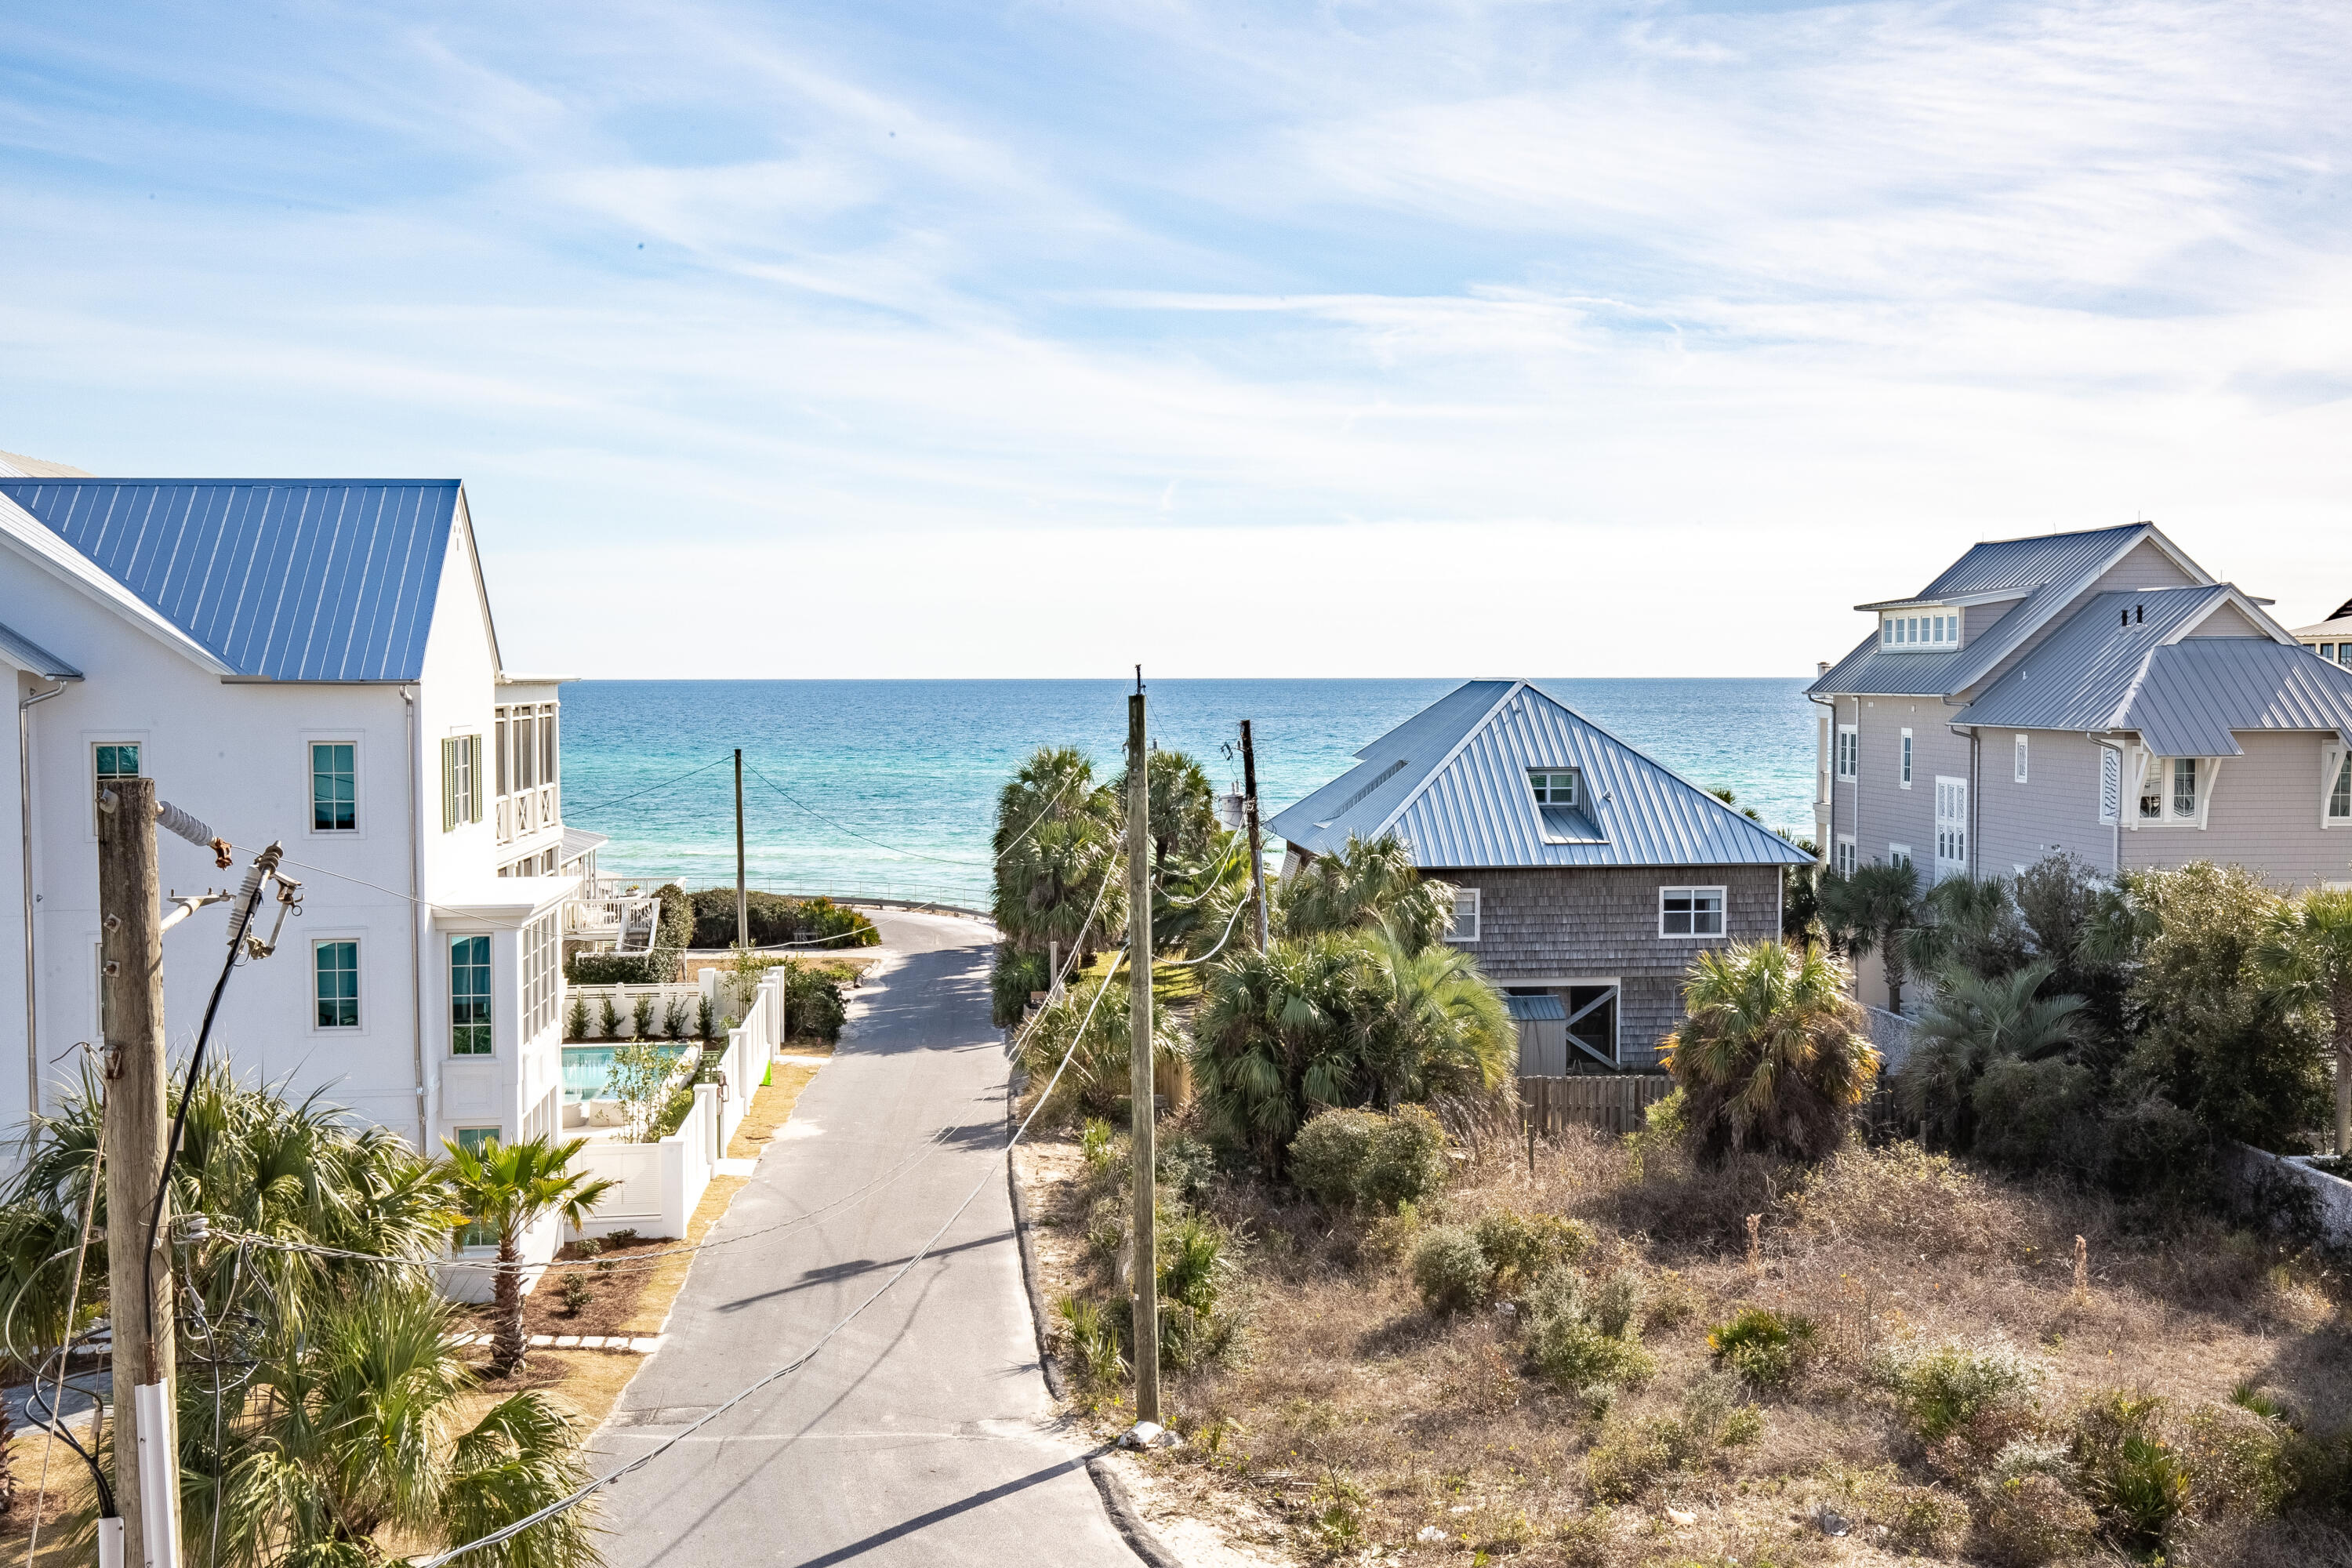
<point x="1139" y="1033"/>
<point x="1249" y="818"/>
<point x="742" y="900"/>
<point x="131" y="978"/>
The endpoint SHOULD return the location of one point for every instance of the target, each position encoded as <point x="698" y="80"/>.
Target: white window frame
<point x="1924" y="628"/>
<point x="1899" y="855"/>
<point x="1844" y="857"/>
<point x="1476" y="914"/>
<point x="1849" y="750"/>
<point x="1693" y="893"/>
<point x="2150" y="766"/>
<point x="1951" y="832"/>
<point x="359" y="958"/>
<point x="2021" y="770"/>
<point x="461" y="779"/>
<point x="1905" y="775"/>
<point x="91" y="741"/>
<point x="358" y="829"/>
<point x="2334" y="763"/>
<point x="542" y="975"/>
<point x="1575" y="786"/>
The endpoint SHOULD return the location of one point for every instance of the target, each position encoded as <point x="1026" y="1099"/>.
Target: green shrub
<point x="1198" y="1323"/>
<point x="1012" y="979"/>
<point x="2239" y="1462"/>
<point x="1521" y="1249"/>
<point x="575" y="1019"/>
<point x="1094" y="1341"/>
<point x="1184" y="1166"/>
<point x="610" y="1019"/>
<point x="1763" y="1346"/>
<point x="771" y="921"/>
<point x="814" y="1005"/>
<point x="2132" y="1475"/>
<point x="641" y="1016"/>
<point x="1361" y="1158"/>
<point x="1571" y="1339"/>
<point x="1616" y="1303"/>
<point x="576" y="1293"/>
<point x="706" y="1021"/>
<point x="1094" y="1143"/>
<point x="2036" y="1115"/>
<point x="1450" y="1270"/>
<point x="1926" y="1520"/>
<point x="1329" y="1156"/>
<point x="674" y="1022"/>
<point x="1627" y="1457"/>
<point x="1947" y="1387"/>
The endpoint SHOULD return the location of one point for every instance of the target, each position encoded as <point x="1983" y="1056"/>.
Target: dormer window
<point x="1556" y="786"/>
<point x="1927" y="630"/>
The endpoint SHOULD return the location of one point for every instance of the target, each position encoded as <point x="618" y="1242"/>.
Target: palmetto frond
<point x="1770" y="1054"/>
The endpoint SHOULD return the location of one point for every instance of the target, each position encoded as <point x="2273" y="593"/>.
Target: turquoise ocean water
<point x="889" y="787"/>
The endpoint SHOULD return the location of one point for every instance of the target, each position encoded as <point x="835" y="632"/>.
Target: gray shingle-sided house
<point x="2095" y="693"/>
<point x="1585" y="873"/>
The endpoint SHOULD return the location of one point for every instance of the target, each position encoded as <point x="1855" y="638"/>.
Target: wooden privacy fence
<point x="1614" y="1102"/>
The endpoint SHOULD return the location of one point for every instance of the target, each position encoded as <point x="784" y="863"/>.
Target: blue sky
<point x="1237" y="339"/>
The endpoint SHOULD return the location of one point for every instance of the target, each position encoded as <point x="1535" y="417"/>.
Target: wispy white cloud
<point x="1708" y="309"/>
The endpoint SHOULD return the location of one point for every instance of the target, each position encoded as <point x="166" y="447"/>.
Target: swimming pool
<point x="588" y="1070"/>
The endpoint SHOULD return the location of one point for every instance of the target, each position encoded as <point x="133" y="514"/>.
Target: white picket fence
<point x="659" y="1184"/>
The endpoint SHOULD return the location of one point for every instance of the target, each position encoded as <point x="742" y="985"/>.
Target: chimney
<point x="1820" y="669"/>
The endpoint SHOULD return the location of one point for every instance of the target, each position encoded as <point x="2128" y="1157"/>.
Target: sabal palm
<point x="1434" y="1025"/>
<point x="1969" y="924"/>
<point x="1099" y="1060"/>
<point x="1870" y="912"/>
<point x="345" y="1440"/>
<point x="1056" y="840"/>
<point x="1370" y="882"/>
<point x="2306" y="954"/>
<point x="508" y="1188"/>
<point x="1183" y="812"/>
<point x="1276" y="1039"/>
<point x="1974" y="1021"/>
<point x="1770" y="1056"/>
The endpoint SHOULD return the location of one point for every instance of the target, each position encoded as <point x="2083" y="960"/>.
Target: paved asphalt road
<point x="923" y="1433"/>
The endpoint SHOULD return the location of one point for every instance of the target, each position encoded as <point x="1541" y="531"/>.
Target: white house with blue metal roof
<point x="312" y="662"/>
<point x="1585" y="873"/>
<point x="2094" y="693"/>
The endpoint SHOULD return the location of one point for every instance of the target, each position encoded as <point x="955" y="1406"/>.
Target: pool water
<point x="588" y="1070"/>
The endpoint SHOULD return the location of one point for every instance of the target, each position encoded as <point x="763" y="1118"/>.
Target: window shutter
<point x="448" y="785"/>
<point x="474" y="746"/>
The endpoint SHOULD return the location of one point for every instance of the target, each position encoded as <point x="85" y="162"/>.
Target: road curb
<point x="1141" y="1538"/>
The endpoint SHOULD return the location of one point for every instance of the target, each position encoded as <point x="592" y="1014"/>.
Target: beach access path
<point x="923" y="1433"/>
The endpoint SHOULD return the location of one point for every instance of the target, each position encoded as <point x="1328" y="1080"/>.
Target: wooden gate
<point x="1614" y="1102"/>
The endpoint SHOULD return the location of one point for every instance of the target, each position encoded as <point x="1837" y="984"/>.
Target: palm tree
<point x="1869" y="912"/>
<point x="1436" y="1026"/>
<point x="348" y="1440"/>
<point x="1056" y="841"/>
<point x="1974" y="1021"/>
<point x="1276" y="1041"/>
<point x="1183" y="811"/>
<point x="1368" y="882"/>
<point x="506" y="1188"/>
<point x="1970" y="924"/>
<point x="1771" y="1057"/>
<point x="2306" y="954"/>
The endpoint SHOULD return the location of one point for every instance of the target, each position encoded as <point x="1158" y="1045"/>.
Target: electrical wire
<point x="911" y="854"/>
<point x="788" y="1368"/>
<point x="633" y="795"/>
<point x="65" y="1356"/>
<point x="1189" y="962"/>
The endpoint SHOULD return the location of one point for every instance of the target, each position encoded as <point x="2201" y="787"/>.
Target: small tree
<point x="1871" y="911"/>
<point x="506" y="1189"/>
<point x="2305" y="953"/>
<point x="638" y="1071"/>
<point x="576" y="1021"/>
<point x="1973" y="1023"/>
<point x="610" y="1021"/>
<point x="641" y="1017"/>
<point x="1771" y="1056"/>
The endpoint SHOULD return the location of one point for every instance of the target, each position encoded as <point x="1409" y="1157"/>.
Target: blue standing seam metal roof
<point x="22" y="650"/>
<point x="1461" y="797"/>
<point x="1545" y="1007"/>
<point x="2195" y="693"/>
<point x="2049" y="570"/>
<point x="327" y="580"/>
<point x="2083" y="672"/>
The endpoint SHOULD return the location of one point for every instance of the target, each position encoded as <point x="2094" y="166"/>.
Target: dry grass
<point x="1356" y="1422"/>
<point x="67" y="1506"/>
<point x="772" y="1107"/>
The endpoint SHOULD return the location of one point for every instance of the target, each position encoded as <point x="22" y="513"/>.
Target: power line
<point x="634" y="794"/>
<point x="912" y="854"/>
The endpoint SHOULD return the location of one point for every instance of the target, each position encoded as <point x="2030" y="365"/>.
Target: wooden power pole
<point x="130" y="969"/>
<point x="1249" y="817"/>
<point x="1139" y="1033"/>
<point x="742" y="898"/>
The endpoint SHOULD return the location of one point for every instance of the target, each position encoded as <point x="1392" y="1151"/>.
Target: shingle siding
<point x="1601" y="922"/>
<point x="2264" y="814"/>
<point x="2057" y="806"/>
